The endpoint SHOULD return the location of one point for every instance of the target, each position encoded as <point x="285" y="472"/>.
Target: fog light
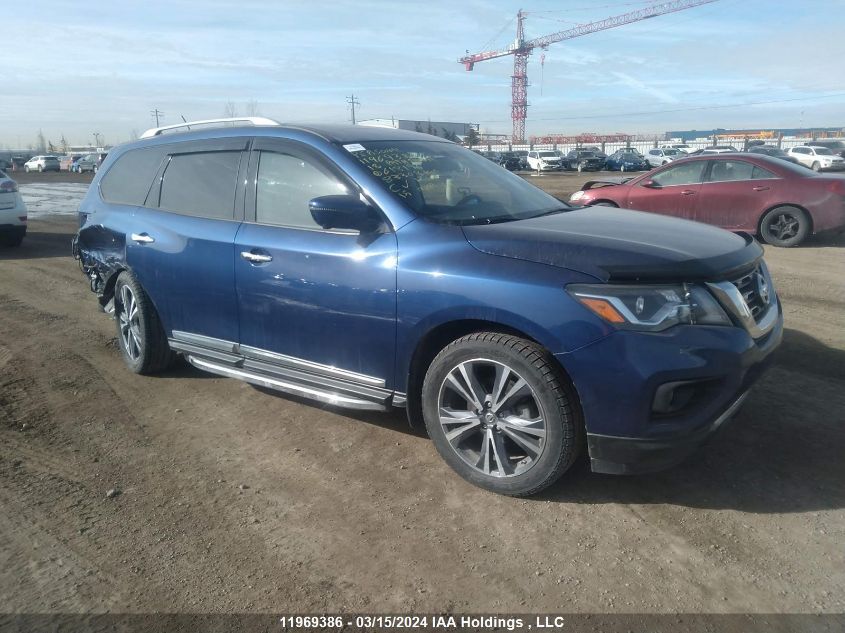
<point x="671" y="397"/>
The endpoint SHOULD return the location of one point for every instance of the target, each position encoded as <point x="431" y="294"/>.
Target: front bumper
<point x="618" y="380"/>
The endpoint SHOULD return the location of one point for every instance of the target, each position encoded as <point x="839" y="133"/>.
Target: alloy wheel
<point x="784" y="226"/>
<point x="492" y="418"/>
<point x="130" y="325"/>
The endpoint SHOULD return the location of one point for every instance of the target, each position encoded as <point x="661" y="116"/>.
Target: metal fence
<point x="642" y="146"/>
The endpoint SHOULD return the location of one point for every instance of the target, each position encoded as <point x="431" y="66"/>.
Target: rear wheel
<point x="499" y="414"/>
<point x="785" y="226"/>
<point x="139" y="332"/>
<point x="40" y="168"/>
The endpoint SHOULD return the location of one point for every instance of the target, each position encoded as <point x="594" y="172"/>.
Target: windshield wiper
<point x="551" y="212"/>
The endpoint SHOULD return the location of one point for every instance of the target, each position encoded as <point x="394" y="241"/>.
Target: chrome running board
<point x="287" y="386"/>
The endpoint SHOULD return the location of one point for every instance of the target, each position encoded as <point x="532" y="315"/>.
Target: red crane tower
<point x="522" y="48"/>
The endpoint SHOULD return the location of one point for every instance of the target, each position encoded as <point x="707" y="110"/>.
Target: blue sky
<point x="76" y="68"/>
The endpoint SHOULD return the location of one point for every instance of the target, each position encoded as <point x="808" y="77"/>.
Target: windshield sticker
<point x="354" y="147"/>
<point x="393" y="167"/>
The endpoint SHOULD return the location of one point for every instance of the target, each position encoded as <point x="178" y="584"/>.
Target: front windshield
<point x="446" y="183"/>
<point x="823" y="151"/>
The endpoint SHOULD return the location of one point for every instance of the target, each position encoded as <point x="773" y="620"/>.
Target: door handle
<point x="256" y="258"/>
<point x="761" y="188"/>
<point x="142" y="238"/>
<point x="688" y="192"/>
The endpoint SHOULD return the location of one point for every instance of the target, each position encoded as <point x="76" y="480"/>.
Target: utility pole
<point x="96" y="139"/>
<point x="156" y="114"/>
<point x="352" y="101"/>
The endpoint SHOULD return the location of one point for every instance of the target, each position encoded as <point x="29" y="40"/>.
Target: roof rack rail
<point x="249" y="120"/>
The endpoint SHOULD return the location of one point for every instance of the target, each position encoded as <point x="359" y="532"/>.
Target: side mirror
<point x="650" y="184"/>
<point x="343" y="212"/>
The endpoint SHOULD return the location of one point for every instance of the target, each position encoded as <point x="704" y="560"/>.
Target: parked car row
<point x="778" y="201"/>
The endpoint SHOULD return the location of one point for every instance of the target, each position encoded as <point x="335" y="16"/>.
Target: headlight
<point x="650" y="308"/>
<point x="576" y="196"/>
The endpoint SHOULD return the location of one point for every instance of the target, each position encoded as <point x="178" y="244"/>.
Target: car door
<point x="734" y="194"/>
<point x="668" y="191"/>
<point x="182" y="242"/>
<point x="312" y="299"/>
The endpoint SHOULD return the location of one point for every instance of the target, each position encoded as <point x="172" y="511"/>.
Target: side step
<point x="288" y="386"/>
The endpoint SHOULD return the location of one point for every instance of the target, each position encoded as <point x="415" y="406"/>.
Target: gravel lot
<point x="230" y="499"/>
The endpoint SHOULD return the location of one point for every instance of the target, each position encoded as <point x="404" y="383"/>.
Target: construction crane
<point x="522" y="48"/>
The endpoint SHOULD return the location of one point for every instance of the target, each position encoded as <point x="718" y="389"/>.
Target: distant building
<point x="428" y="127"/>
<point x="772" y="133"/>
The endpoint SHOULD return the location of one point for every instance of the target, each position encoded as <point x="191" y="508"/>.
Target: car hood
<point x="612" y="244"/>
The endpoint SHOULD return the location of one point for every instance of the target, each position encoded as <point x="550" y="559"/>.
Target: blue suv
<point x="374" y="268"/>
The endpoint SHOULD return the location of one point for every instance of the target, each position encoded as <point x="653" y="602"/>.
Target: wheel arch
<point x="809" y="215"/>
<point x="604" y="201"/>
<point x="435" y="339"/>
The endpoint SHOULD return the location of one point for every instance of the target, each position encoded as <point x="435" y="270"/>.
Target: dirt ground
<point x="236" y="500"/>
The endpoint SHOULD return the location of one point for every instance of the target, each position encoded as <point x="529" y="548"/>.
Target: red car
<point x="778" y="201"/>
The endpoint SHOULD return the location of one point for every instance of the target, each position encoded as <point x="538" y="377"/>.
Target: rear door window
<point x="727" y="170"/>
<point x="129" y="179"/>
<point x="201" y="184"/>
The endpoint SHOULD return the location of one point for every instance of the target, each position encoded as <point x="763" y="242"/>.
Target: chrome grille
<point x="749" y="289"/>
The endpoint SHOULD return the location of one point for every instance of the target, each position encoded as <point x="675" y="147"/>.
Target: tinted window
<point x="201" y="184"/>
<point x="683" y="174"/>
<point x="723" y="170"/>
<point x="759" y="173"/>
<point x="285" y="185"/>
<point x="129" y="179"/>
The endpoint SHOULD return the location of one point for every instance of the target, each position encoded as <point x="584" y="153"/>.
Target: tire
<point x="539" y="414"/>
<point x="40" y="168"/>
<point x="95" y="169"/>
<point x="13" y="242"/>
<point x="26" y="169"/>
<point x="622" y="168"/>
<point x="785" y="226"/>
<point x="140" y="335"/>
<point x="816" y="166"/>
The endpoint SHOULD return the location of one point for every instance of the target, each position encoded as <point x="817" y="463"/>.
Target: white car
<point x="817" y="158"/>
<point x="42" y="163"/>
<point x="682" y="147"/>
<point x="719" y="149"/>
<point x="662" y="155"/>
<point x="544" y="160"/>
<point x="12" y="212"/>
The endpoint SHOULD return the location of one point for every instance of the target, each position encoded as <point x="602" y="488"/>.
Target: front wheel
<point x="139" y="332"/>
<point x="499" y="414"/>
<point x="785" y="226"/>
<point x="816" y="166"/>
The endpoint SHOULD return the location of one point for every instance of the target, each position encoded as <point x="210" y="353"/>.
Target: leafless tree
<point x="252" y="108"/>
<point x="230" y="110"/>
